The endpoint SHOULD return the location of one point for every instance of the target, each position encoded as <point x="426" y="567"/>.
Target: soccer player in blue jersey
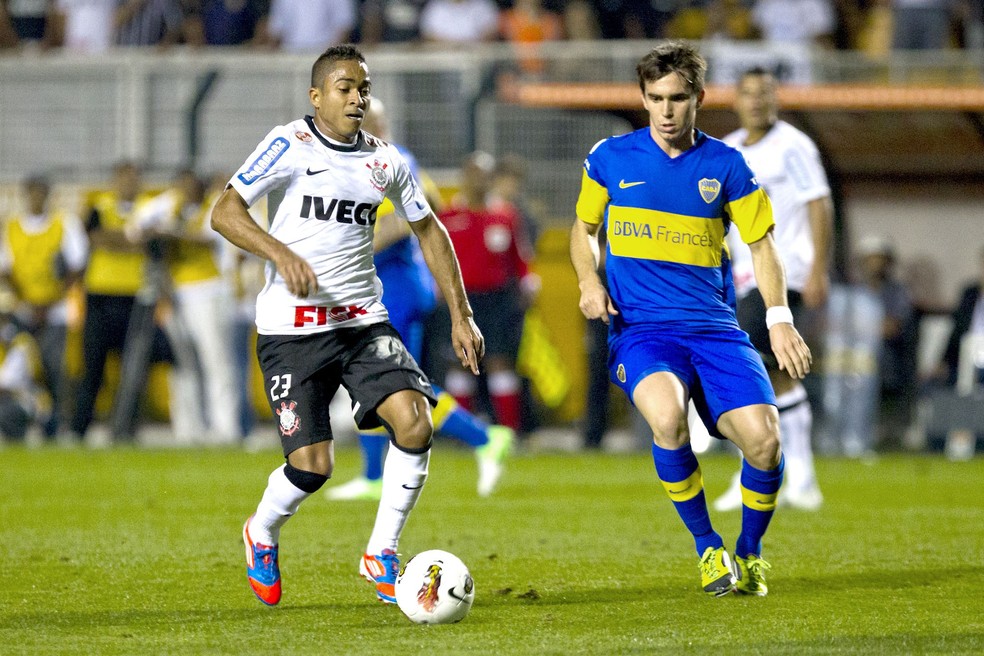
<point x="410" y="295"/>
<point x="667" y="195"/>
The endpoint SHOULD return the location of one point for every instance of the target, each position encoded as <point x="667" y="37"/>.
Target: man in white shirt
<point x="459" y="21"/>
<point x="320" y="317"/>
<point x="205" y="395"/>
<point x="787" y="164"/>
<point x="310" y="25"/>
<point x="86" y="25"/>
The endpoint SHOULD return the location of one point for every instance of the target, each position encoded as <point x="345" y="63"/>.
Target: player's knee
<point x="416" y="434"/>
<point x="317" y="461"/>
<point x="764" y="452"/>
<point x="669" y="432"/>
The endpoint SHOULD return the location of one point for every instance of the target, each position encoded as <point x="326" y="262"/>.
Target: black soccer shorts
<point x="751" y="318"/>
<point x="302" y="373"/>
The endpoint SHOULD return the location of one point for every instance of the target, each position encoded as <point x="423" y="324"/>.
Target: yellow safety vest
<point x="33" y="270"/>
<point x="194" y="262"/>
<point x="112" y="272"/>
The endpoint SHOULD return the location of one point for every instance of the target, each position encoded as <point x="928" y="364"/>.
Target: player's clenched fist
<point x="595" y="302"/>
<point x="298" y="275"/>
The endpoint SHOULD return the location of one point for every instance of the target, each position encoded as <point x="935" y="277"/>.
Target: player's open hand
<point x="595" y="302"/>
<point x="791" y="351"/>
<point x="468" y="343"/>
<point x="298" y="275"/>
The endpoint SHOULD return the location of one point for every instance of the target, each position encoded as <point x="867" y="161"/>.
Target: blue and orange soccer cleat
<point x="381" y="571"/>
<point x="262" y="568"/>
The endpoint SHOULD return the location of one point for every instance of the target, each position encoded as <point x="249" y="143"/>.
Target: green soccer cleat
<point x="715" y="572"/>
<point x="751" y="575"/>
<point x="491" y="457"/>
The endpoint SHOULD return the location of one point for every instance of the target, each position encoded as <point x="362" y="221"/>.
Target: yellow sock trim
<point x="445" y="406"/>
<point x="757" y="500"/>
<point x="686" y="489"/>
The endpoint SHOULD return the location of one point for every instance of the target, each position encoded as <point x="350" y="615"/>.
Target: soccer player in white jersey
<point x="787" y="164"/>
<point x="320" y="319"/>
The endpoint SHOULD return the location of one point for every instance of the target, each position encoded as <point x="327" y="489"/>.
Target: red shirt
<point x="491" y="246"/>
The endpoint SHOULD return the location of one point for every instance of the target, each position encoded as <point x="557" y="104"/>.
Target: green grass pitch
<point x="139" y="552"/>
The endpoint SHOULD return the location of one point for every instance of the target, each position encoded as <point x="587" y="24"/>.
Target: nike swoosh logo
<point x="310" y="172"/>
<point x="622" y="184"/>
<point x="423" y="381"/>
<point x="452" y="593"/>
<point x="409" y="487"/>
<point x="681" y="491"/>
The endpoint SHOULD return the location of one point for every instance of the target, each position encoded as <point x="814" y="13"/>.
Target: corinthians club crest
<point x="289" y="421"/>
<point x="709" y="189"/>
<point x="377" y="174"/>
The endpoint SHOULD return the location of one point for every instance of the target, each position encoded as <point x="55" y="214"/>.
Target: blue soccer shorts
<point x="721" y="368"/>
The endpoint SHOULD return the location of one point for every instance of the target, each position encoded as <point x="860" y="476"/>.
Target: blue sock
<point x="454" y="421"/>
<point x="759" y="490"/>
<point x="373" y="451"/>
<point x="679" y="472"/>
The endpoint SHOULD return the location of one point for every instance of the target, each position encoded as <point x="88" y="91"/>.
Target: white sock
<point x="404" y="475"/>
<point x="280" y="500"/>
<point x="796" y="427"/>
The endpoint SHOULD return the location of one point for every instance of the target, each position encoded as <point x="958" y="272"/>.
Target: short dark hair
<point x="673" y="57"/>
<point x="39" y="180"/>
<point x="325" y="62"/>
<point x="756" y="71"/>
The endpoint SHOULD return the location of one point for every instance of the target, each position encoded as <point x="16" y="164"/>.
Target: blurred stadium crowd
<point x="875" y="26"/>
<point x="138" y="276"/>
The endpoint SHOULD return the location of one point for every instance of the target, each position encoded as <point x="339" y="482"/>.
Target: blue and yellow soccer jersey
<point x="666" y="219"/>
<point x="409" y="290"/>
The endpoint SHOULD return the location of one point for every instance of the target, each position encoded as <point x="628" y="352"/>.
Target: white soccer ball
<point x="435" y="587"/>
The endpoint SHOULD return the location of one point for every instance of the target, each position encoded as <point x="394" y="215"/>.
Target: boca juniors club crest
<point x="289" y="421"/>
<point x="620" y="372"/>
<point x="709" y="189"/>
<point x="377" y="174"/>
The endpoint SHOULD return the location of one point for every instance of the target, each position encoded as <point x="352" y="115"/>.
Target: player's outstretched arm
<point x="467" y="339"/>
<point x="790" y="350"/>
<point x="231" y="219"/>
<point x="595" y="302"/>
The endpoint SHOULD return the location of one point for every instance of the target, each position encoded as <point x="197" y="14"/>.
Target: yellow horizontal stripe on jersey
<point x="686" y="489"/>
<point x="591" y="201"/>
<point x="653" y="235"/>
<point x="386" y="207"/>
<point x="757" y="500"/>
<point x="752" y="214"/>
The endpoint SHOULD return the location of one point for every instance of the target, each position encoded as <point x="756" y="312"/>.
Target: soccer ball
<point x="435" y="587"/>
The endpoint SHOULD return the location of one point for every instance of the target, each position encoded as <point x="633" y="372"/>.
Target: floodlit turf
<point x="139" y="552"/>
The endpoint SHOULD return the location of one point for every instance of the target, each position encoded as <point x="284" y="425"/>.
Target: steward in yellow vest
<point x="112" y="279"/>
<point x="43" y="254"/>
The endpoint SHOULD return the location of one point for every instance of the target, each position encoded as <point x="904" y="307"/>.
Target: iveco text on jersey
<point x="343" y="211"/>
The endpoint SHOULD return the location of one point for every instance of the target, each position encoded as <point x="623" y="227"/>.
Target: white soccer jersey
<point x="331" y="193"/>
<point x="786" y="163"/>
